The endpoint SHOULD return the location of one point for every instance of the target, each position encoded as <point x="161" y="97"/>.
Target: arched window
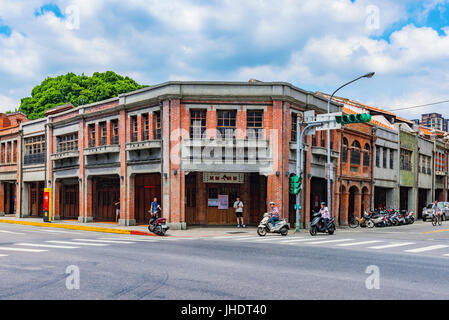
<point x="355" y="153"/>
<point x="366" y="158"/>
<point x="344" y="151"/>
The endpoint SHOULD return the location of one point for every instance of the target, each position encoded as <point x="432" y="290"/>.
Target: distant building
<point x="434" y="121"/>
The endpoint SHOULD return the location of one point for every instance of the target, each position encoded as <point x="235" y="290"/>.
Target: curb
<point x="83" y="228"/>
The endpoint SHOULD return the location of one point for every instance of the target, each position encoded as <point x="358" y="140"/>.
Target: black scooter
<point x="318" y="225"/>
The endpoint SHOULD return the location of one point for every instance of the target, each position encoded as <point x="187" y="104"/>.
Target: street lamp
<point x="368" y="75"/>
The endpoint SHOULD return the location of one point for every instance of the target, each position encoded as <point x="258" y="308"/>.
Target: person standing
<point x="117" y="210"/>
<point x="155" y="207"/>
<point x="238" y="206"/>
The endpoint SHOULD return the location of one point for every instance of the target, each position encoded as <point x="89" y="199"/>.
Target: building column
<point x="88" y="215"/>
<point x="56" y="214"/>
<point x="344" y="208"/>
<point x="108" y="132"/>
<point x="130" y="220"/>
<point x="241" y="124"/>
<point x="139" y="127"/>
<point x="150" y="126"/>
<point x="124" y="132"/>
<point x="97" y="134"/>
<point x="357" y="204"/>
<point x="83" y="182"/>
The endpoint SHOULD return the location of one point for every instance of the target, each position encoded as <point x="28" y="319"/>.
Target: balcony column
<point x="108" y="133"/>
<point x="124" y="126"/>
<point x="150" y="126"/>
<point x="139" y="127"/>
<point x="241" y="124"/>
<point x="211" y="122"/>
<point x="97" y="134"/>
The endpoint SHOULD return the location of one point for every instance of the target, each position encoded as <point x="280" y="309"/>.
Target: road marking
<point x="358" y="243"/>
<point x="424" y="249"/>
<point x="44" y="245"/>
<point x="244" y="238"/>
<point x="330" y="241"/>
<point x="11" y="232"/>
<point x="392" y="245"/>
<point x="79" y="243"/>
<point x="267" y="239"/>
<point x="298" y="240"/>
<point x="227" y="237"/>
<point x="59" y="231"/>
<point x="130" y="239"/>
<point x="3" y="255"/>
<point x="437" y="231"/>
<point x="105" y="241"/>
<point x="20" y="249"/>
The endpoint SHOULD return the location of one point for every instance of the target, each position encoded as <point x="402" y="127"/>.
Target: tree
<point x="74" y="89"/>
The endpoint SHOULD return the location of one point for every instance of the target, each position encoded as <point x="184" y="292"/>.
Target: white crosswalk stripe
<point x="227" y="237"/>
<point x="358" y="243"/>
<point x="22" y="249"/>
<point x="266" y="239"/>
<point x="60" y="231"/>
<point x="79" y="243"/>
<point x="297" y="240"/>
<point x="244" y="238"/>
<point x="3" y="255"/>
<point x="103" y="241"/>
<point x="329" y="241"/>
<point x="429" y="248"/>
<point x="391" y="245"/>
<point x="44" y="245"/>
<point x="10" y="232"/>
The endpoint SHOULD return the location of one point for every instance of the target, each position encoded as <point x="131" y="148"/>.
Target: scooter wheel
<point x="313" y="231"/>
<point x="284" y="231"/>
<point x="331" y="230"/>
<point x="158" y="230"/>
<point x="262" y="232"/>
<point x="370" y="224"/>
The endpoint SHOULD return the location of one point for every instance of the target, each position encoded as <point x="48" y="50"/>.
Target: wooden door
<point x="70" y="202"/>
<point x="222" y="216"/>
<point x="107" y="194"/>
<point x="147" y="186"/>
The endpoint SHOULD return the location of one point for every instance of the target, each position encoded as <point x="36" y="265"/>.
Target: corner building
<point x="194" y="145"/>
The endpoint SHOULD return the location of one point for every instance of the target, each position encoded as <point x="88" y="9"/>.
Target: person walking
<point x="238" y="206"/>
<point x="117" y="210"/>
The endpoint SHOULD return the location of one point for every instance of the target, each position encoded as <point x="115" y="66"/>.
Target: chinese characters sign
<point x="212" y="177"/>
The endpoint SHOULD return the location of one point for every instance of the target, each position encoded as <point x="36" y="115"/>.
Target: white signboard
<point x="333" y="125"/>
<point x="212" y="202"/>
<point x="217" y="177"/>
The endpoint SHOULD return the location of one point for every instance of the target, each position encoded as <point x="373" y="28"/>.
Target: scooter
<point x="318" y="225"/>
<point x="157" y="225"/>
<point x="379" y="221"/>
<point x="280" y="226"/>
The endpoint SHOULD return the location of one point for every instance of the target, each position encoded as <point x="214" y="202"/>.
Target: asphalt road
<point x="411" y="264"/>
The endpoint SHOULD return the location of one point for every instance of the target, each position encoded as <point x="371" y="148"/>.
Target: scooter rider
<point x="325" y="215"/>
<point x="274" y="214"/>
<point x="436" y="212"/>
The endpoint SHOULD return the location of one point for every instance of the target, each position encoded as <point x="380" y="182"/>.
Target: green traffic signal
<point x="353" y="118"/>
<point x="295" y="184"/>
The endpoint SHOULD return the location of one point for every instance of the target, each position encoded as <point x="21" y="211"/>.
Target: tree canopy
<point x="75" y="89"/>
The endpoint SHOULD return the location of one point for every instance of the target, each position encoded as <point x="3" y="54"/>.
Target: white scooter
<point x="280" y="226"/>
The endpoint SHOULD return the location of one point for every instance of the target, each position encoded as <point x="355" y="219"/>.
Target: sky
<point x="316" y="45"/>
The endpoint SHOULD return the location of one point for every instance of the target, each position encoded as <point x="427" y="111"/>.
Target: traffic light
<point x="353" y="118"/>
<point x="295" y="184"/>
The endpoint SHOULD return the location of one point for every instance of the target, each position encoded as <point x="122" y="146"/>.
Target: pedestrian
<point x="238" y="206"/>
<point x="155" y="208"/>
<point x="117" y="210"/>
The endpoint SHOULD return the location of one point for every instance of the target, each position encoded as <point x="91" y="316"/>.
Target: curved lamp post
<point x="368" y="75"/>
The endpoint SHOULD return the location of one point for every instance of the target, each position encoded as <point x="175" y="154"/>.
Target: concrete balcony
<point x="101" y="150"/>
<point x="322" y="152"/>
<point x="244" y="143"/>
<point x="65" y="155"/>
<point x="142" y="145"/>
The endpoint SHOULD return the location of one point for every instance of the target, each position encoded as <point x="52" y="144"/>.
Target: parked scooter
<point x="318" y="225"/>
<point x="157" y="225"/>
<point x="380" y="221"/>
<point x="281" y="226"/>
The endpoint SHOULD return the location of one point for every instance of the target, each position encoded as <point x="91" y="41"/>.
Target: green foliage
<point x="74" y="89"/>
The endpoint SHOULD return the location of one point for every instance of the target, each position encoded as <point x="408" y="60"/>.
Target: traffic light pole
<point x="299" y="166"/>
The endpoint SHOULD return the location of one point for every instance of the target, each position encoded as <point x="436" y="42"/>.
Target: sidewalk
<point x="111" y="227"/>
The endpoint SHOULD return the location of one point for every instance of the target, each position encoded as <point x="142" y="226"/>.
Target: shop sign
<point x="212" y="202"/>
<point x="211" y="177"/>
<point x="223" y="202"/>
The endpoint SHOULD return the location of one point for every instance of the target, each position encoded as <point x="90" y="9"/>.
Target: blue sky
<point x="314" y="44"/>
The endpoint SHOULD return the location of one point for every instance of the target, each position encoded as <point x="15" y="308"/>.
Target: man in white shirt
<point x="238" y="205"/>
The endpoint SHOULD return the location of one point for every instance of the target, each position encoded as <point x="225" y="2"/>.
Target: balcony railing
<point x="102" y="141"/>
<point x="157" y="134"/>
<point x="145" y="135"/>
<point x="36" y="158"/>
<point x="91" y="143"/>
<point x="134" y="137"/>
<point x="114" y="140"/>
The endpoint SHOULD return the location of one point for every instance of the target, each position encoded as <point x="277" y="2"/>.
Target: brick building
<point x="194" y="145"/>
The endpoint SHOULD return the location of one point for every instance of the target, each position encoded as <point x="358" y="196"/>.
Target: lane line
<point x="22" y="250"/>
<point x="299" y="240"/>
<point x="330" y="241"/>
<point x="358" y="243"/>
<point x="11" y="232"/>
<point x="44" y="245"/>
<point x="103" y="241"/>
<point x="391" y="245"/>
<point x="129" y="239"/>
<point x="429" y="248"/>
<point x="78" y="243"/>
<point x="227" y="237"/>
<point x="3" y="255"/>
<point x="267" y="239"/>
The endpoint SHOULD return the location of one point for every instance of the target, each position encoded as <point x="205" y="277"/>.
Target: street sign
<point x="309" y="116"/>
<point x="328" y="120"/>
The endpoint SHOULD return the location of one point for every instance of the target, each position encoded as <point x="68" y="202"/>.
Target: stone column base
<point x="177" y="225"/>
<point x="2" y="214"/>
<point x="55" y="218"/>
<point x="126" y="222"/>
<point x="85" y="219"/>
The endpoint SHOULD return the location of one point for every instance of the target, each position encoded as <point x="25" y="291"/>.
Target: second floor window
<point x="67" y="142"/>
<point x="406" y="160"/>
<point x="294" y="126"/>
<point x="254" y="123"/>
<point x="146" y="127"/>
<point x="157" y="125"/>
<point x="384" y="158"/>
<point x="226" y="123"/>
<point x="34" y="150"/>
<point x="366" y="157"/>
<point x="92" y="142"/>
<point x="103" y="133"/>
<point x="355" y="153"/>
<point x="344" y="151"/>
<point x="134" y="128"/>
<point x="197" y="123"/>
<point x="114" y="131"/>
<point x="392" y="153"/>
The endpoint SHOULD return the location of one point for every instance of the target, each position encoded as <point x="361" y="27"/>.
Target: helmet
<point x="323" y="203"/>
<point x="272" y="202"/>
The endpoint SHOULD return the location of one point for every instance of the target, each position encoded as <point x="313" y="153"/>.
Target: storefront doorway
<point x="107" y="192"/>
<point x="147" y="186"/>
